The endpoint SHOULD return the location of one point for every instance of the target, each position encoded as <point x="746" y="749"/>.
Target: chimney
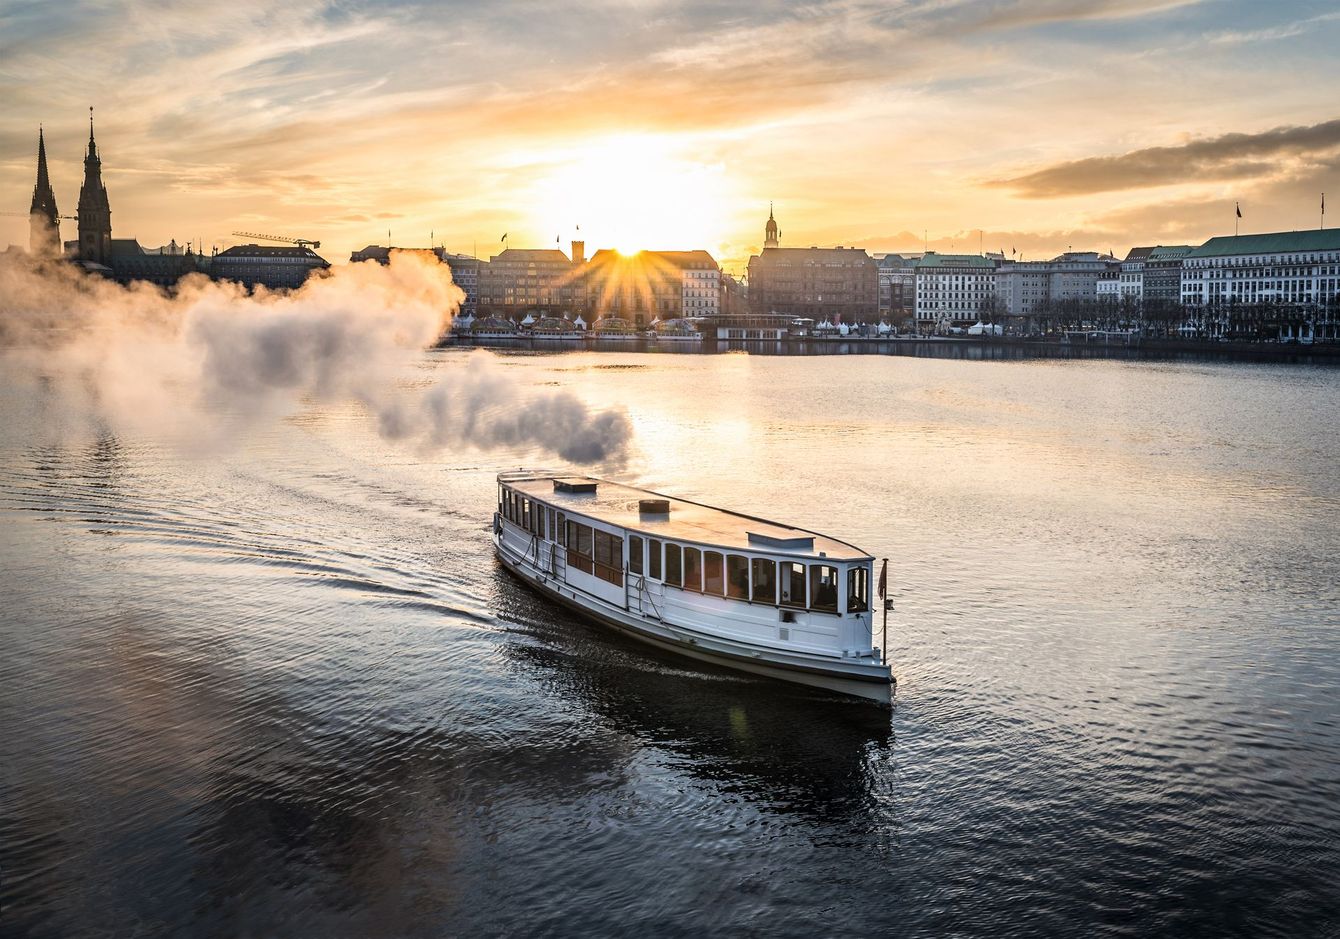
<point x="579" y="252"/>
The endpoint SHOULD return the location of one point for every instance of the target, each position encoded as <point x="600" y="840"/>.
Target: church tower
<point x="43" y="216"/>
<point x="95" y="215"/>
<point x="771" y="236"/>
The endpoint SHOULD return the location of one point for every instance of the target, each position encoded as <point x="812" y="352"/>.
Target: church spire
<point x="95" y="214"/>
<point x="43" y="216"/>
<point x="771" y="235"/>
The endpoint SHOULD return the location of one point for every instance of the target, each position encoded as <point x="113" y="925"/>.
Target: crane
<point x="300" y="242"/>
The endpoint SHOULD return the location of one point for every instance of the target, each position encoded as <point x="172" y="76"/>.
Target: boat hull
<point x="847" y="677"/>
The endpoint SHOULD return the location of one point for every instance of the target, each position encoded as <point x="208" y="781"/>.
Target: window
<point x="673" y="573"/>
<point x="635" y="554"/>
<point x="823" y="588"/>
<point x="793" y="584"/>
<point x="525" y="514"/>
<point x="609" y="558"/>
<point x="553" y="532"/>
<point x="562" y="530"/>
<point x="693" y="569"/>
<point x="653" y="558"/>
<point x="580" y="547"/>
<point x="714" y="581"/>
<point x="737" y="576"/>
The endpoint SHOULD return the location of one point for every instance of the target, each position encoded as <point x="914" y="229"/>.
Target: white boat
<point x="678" y="330"/>
<point x="718" y="586"/>
<point x="614" y="328"/>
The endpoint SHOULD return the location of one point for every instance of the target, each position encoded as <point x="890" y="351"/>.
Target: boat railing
<point x="644" y="597"/>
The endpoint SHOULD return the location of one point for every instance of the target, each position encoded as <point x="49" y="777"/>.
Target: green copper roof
<point x="1274" y="243"/>
<point x="931" y="259"/>
<point x="1169" y="252"/>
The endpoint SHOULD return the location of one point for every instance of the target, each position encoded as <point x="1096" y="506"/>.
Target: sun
<point x="635" y="193"/>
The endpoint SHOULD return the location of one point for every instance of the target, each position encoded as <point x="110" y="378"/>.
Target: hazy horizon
<point x="1097" y="125"/>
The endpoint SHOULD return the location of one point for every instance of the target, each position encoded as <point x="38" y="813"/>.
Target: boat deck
<point x="617" y="504"/>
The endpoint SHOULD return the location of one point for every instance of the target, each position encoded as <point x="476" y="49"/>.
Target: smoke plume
<point x="130" y="356"/>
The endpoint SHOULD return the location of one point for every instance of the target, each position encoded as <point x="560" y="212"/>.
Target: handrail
<point x="644" y="594"/>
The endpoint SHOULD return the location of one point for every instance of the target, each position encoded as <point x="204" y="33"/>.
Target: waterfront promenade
<point x="946" y="347"/>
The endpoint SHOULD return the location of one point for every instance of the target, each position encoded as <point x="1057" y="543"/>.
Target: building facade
<point x="1279" y="281"/>
<point x="1028" y="288"/>
<point x="1133" y="274"/>
<point x="1108" y="287"/>
<point x="269" y="266"/>
<point x="897" y="287"/>
<point x="1163" y="275"/>
<point x="953" y="290"/>
<point x="835" y="284"/>
<point x="652" y="285"/>
<point x="535" y="282"/>
<point x="734" y="296"/>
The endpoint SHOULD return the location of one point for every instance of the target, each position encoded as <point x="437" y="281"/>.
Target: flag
<point x="504" y="237"/>
<point x="1013" y="251"/>
<point x="884" y="579"/>
<point x="1323" y="203"/>
<point x="1237" y="208"/>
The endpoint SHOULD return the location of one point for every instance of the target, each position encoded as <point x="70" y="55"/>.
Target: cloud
<point x="1270" y="33"/>
<point x="1226" y="157"/>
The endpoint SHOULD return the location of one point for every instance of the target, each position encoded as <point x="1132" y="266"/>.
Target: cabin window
<point x="858" y="589"/>
<point x="765" y="580"/>
<point x="653" y="558"/>
<point x="793" y="584"/>
<point x="673" y="571"/>
<point x="580" y="547"/>
<point x="693" y="569"/>
<point x="562" y="530"/>
<point x="737" y="576"/>
<point x="507" y="504"/>
<point x="553" y="532"/>
<point x="502" y="500"/>
<point x="525" y="514"/>
<point x="823" y="588"/>
<point x="635" y="554"/>
<point x="609" y="557"/>
<point x="714" y="579"/>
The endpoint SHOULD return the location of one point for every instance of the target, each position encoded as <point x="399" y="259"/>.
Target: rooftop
<point x="1169" y="252"/>
<point x="617" y="504"/>
<point x="270" y="251"/>
<point x="551" y="255"/>
<point x="933" y="259"/>
<point x="1313" y="239"/>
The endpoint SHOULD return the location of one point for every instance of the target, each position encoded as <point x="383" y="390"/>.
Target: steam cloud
<point x="129" y="356"/>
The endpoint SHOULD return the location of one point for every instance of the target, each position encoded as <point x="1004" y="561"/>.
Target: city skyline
<point x="671" y="127"/>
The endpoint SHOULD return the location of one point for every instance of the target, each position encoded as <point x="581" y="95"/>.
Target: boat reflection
<point x="789" y="747"/>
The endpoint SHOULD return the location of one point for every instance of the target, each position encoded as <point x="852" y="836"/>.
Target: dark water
<point x="285" y="690"/>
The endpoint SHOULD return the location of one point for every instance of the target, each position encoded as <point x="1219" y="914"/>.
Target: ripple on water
<point x="287" y="691"/>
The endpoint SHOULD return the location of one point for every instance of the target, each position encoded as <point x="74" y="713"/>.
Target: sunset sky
<point x="1100" y="124"/>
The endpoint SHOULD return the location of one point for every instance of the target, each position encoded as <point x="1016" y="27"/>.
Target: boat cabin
<point x="679" y="562"/>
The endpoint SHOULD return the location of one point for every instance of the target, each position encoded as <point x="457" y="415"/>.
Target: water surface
<point x="285" y="689"/>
